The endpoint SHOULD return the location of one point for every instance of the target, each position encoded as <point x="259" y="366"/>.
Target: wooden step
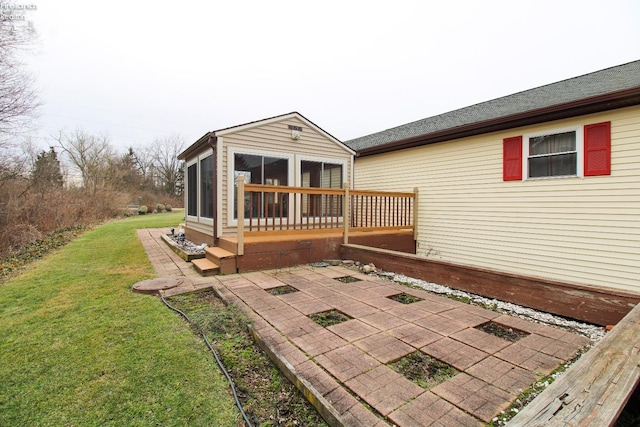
<point x="230" y="245"/>
<point x="224" y="259"/>
<point x="218" y="253"/>
<point x="206" y="267"/>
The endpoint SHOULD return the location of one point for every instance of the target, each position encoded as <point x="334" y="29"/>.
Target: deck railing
<point x="276" y="209"/>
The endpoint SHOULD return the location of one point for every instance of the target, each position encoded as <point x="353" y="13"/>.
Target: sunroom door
<point x="321" y="175"/>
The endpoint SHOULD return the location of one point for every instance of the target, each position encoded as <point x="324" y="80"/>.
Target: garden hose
<point x="220" y="364"/>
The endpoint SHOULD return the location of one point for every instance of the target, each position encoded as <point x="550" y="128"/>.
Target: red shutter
<point x="512" y="158"/>
<point x="597" y="149"/>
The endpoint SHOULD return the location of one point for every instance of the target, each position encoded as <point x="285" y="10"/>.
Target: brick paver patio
<point x="346" y="364"/>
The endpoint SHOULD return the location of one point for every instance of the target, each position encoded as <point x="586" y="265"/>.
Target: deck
<point x="286" y="226"/>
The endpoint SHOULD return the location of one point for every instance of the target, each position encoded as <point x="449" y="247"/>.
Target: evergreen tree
<point x="46" y="171"/>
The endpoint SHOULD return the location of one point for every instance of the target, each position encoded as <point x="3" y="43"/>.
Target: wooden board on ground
<point x="595" y="389"/>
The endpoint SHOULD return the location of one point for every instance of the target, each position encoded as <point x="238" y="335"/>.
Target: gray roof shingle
<point x="601" y="82"/>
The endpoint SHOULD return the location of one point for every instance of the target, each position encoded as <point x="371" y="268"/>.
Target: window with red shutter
<point x="597" y="149"/>
<point x="512" y="159"/>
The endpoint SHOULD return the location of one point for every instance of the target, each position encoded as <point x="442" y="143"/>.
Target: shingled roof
<point x="610" y="88"/>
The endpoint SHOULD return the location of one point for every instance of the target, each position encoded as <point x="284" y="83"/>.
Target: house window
<point x="553" y="155"/>
<point x="206" y="187"/>
<point x="258" y="169"/>
<point x="192" y="190"/>
<point x="580" y="151"/>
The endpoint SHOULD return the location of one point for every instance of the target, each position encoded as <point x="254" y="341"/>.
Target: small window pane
<point x="549" y="144"/>
<point x="557" y="165"/>
<point x="206" y="187"/>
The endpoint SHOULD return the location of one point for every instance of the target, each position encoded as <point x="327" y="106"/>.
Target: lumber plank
<point x="594" y="390"/>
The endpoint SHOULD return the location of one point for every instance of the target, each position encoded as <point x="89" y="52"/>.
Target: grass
<point x="268" y="398"/>
<point x="78" y="348"/>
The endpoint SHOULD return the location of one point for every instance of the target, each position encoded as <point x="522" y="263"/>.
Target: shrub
<point x="142" y="210"/>
<point x="168" y="208"/>
<point x="159" y="207"/>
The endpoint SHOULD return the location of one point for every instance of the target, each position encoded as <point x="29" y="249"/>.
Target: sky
<point x="140" y="70"/>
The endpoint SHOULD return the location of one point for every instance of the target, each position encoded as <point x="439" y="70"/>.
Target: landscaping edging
<point x="187" y="256"/>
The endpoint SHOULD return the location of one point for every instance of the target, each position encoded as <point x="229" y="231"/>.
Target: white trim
<point x="578" y="129"/>
<point x="219" y="156"/>
<point x="231" y="152"/>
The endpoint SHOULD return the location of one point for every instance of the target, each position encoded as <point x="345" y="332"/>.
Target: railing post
<point x="240" y="204"/>
<point x="346" y="213"/>
<point x="415" y="213"/>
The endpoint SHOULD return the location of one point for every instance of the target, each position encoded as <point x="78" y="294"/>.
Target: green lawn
<point x="78" y="348"/>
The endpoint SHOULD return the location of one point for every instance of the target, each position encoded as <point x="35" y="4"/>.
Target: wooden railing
<point x="276" y="209"/>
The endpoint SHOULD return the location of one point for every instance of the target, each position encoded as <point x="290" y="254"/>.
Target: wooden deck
<point x="286" y="250"/>
<point x="596" y="388"/>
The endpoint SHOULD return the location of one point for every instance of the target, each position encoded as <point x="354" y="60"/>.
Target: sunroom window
<point x="206" y="187"/>
<point x="553" y="155"/>
<point x="192" y="190"/>
<point x="324" y="175"/>
<point x="260" y="170"/>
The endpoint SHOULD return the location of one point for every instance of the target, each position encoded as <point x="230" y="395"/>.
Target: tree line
<point x="81" y="178"/>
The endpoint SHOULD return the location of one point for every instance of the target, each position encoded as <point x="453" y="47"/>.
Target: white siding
<point x="272" y="138"/>
<point x="577" y="230"/>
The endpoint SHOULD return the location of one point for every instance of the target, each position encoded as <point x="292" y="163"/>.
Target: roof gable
<point x="243" y="127"/>
<point x="535" y="104"/>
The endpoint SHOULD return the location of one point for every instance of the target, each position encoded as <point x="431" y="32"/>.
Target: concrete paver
<point x="345" y="364"/>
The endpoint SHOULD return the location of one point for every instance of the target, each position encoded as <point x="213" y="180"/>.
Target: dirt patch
<point x="503" y="332"/>
<point x="405" y="298"/>
<point x="424" y="370"/>
<point x="282" y="290"/>
<point x="329" y="318"/>
<point x="347" y="279"/>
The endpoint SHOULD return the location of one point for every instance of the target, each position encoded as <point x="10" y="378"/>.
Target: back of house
<point x="543" y="183"/>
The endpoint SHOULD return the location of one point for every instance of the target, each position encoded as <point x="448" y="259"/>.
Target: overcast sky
<point x="137" y="70"/>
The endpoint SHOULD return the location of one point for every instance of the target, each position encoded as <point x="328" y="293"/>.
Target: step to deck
<point x="206" y="267"/>
<point x="224" y="259"/>
<point x="219" y="253"/>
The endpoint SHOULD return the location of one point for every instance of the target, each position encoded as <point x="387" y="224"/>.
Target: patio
<point x="342" y="366"/>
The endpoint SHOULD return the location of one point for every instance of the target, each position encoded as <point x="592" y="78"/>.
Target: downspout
<point x="213" y="142"/>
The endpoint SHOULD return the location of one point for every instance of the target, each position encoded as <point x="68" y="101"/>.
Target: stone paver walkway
<point x="342" y="366"/>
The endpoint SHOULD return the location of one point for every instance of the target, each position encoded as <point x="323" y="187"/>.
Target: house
<point x="293" y="176"/>
<point x="539" y="189"/>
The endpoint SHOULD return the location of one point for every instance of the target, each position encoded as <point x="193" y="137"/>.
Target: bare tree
<point x="166" y="165"/>
<point x="90" y="154"/>
<point x="18" y="99"/>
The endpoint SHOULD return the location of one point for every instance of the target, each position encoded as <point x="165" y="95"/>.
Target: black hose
<point x="220" y="364"/>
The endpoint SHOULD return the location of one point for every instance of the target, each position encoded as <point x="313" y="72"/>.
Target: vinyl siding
<point x="275" y="138"/>
<point x="576" y="230"/>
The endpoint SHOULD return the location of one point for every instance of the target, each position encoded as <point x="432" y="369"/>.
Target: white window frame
<point x="231" y="167"/>
<point x="196" y="160"/>
<point x="578" y="129"/>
